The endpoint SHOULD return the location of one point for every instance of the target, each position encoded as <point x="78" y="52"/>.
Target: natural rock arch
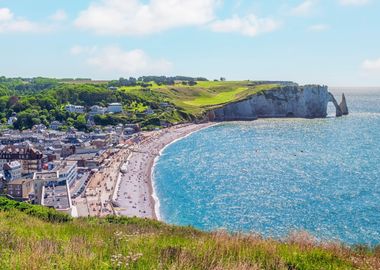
<point x="332" y="99"/>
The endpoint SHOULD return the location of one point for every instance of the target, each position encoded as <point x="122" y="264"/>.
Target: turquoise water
<point x="275" y="176"/>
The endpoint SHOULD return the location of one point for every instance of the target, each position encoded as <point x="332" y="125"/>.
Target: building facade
<point x="115" y="108"/>
<point x="20" y="189"/>
<point x="97" y="110"/>
<point x="12" y="170"/>
<point x="74" y="108"/>
<point x="30" y="158"/>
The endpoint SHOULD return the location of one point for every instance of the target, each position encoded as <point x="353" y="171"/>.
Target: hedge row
<point x="41" y="212"/>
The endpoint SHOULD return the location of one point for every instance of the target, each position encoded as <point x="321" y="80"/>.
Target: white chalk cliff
<point x="308" y="101"/>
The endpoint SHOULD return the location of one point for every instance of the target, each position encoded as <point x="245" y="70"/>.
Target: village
<point x="72" y="171"/>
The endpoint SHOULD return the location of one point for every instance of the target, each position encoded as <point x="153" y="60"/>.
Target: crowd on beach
<point x="135" y="190"/>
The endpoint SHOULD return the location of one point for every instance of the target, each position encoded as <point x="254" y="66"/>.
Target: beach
<point x="135" y="196"/>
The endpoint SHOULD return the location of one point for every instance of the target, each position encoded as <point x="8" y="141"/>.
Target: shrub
<point x="41" y="212"/>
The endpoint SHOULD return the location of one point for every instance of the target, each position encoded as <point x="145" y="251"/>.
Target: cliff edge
<point x="309" y="101"/>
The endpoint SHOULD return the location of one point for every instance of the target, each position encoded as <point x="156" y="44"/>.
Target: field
<point x="30" y="241"/>
<point x="199" y="98"/>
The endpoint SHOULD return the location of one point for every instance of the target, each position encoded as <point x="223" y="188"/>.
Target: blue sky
<point x="333" y="42"/>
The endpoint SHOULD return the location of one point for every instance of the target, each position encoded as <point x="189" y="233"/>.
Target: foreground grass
<point x="28" y="242"/>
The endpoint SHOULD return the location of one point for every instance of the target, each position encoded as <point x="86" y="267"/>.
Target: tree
<point x="80" y="122"/>
<point x="27" y="119"/>
<point x="70" y="122"/>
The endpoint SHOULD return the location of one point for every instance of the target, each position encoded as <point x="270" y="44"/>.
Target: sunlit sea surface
<point x="275" y="176"/>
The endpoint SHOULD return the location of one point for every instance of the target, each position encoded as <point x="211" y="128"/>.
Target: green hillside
<point x="172" y="99"/>
<point x="30" y="240"/>
<point x="204" y="95"/>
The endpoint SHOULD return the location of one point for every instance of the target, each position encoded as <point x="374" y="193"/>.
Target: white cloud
<point x="135" y="17"/>
<point x="354" y="2"/>
<point x="59" y="15"/>
<point x="305" y="8"/>
<point x="10" y="23"/>
<point x="113" y="59"/>
<point x="319" y="27"/>
<point x="5" y="14"/>
<point x="371" y="65"/>
<point x="248" y="26"/>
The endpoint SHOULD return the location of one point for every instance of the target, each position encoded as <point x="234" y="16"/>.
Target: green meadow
<point x="42" y="239"/>
<point x="201" y="97"/>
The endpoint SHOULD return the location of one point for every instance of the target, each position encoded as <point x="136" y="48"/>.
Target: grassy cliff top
<point x="204" y="95"/>
<point x="29" y="240"/>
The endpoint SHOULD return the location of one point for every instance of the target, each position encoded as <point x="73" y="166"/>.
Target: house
<point x="39" y="128"/>
<point x="95" y="110"/>
<point x="148" y="111"/>
<point x="74" y="108"/>
<point x="59" y="172"/>
<point x="136" y="127"/>
<point x="30" y="158"/>
<point x="11" y="120"/>
<point x="55" y="125"/>
<point x="129" y="131"/>
<point x="3" y="183"/>
<point x="115" y="108"/>
<point x="119" y="129"/>
<point x="2" y="163"/>
<point x="165" y="124"/>
<point x="20" y="189"/>
<point x="99" y="143"/>
<point x="12" y="170"/>
<point x="89" y="160"/>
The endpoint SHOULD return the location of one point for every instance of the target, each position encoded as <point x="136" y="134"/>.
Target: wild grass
<point x="199" y="98"/>
<point x="27" y="242"/>
<point x="41" y="212"/>
<point x="219" y="98"/>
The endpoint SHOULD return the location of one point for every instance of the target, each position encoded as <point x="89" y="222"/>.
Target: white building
<point x="55" y="125"/>
<point x="68" y="171"/>
<point x="74" y="108"/>
<point x="11" y="120"/>
<point x="115" y="108"/>
<point x="62" y="174"/>
<point x="12" y="170"/>
<point x="97" y="110"/>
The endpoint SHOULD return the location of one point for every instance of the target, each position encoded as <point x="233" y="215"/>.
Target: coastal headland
<point x="127" y="188"/>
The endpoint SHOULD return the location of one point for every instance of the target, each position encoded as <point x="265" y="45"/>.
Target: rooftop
<point x="57" y="197"/>
<point x="20" y="181"/>
<point x="12" y="165"/>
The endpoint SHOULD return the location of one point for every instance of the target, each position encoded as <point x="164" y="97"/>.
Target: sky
<point x="332" y="42"/>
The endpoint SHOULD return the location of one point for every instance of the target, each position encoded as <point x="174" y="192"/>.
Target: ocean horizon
<point x="276" y="176"/>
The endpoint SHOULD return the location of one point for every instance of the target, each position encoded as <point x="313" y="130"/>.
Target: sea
<point x="278" y="176"/>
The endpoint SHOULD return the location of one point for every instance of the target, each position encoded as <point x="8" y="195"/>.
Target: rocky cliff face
<point x="343" y="105"/>
<point x="287" y="101"/>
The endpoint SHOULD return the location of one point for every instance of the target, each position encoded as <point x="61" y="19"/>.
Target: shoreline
<point x="136" y="192"/>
